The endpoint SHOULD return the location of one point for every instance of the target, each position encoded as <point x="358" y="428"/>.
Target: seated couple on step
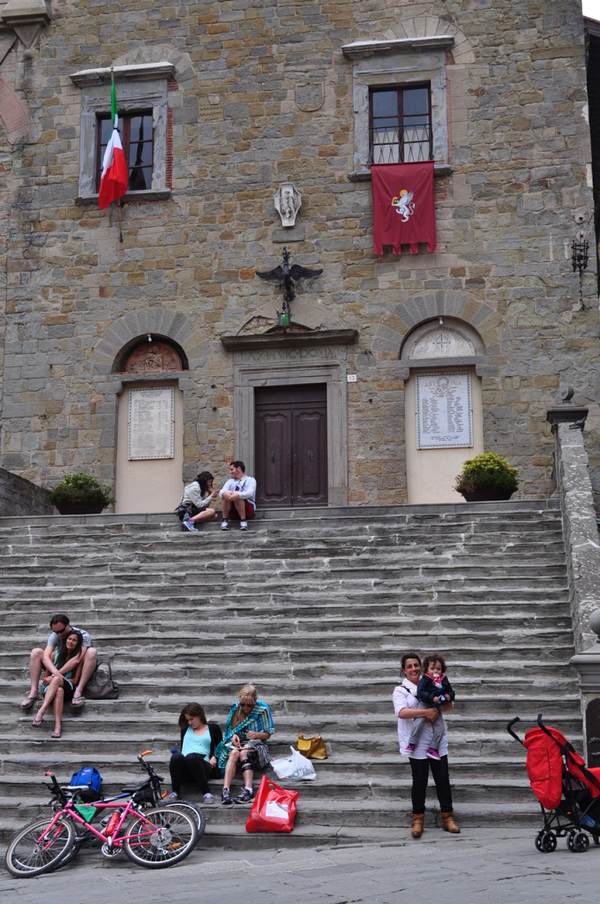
<point x="208" y="753"/>
<point x="60" y="671"/>
<point x="237" y="495"/>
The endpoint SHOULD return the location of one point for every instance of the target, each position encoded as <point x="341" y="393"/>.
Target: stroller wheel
<point x="545" y="841"/>
<point x="580" y="843"/>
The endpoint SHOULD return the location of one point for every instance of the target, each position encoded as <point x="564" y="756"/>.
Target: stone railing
<point x="21" y="497"/>
<point x="579" y="518"/>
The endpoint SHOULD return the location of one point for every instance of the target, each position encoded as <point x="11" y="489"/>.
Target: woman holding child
<point x="419" y="745"/>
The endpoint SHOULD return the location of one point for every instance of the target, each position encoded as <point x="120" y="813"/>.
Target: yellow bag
<point x="313" y="748"/>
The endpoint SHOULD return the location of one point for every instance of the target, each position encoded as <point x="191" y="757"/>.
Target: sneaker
<point x="243" y="525"/>
<point x="189" y="525"/>
<point x="226" y="799"/>
<point x="224" y="525"/>
<point x="432" y="753"/>
<point x="208" y="798"/>
<point x="245" y="797"/>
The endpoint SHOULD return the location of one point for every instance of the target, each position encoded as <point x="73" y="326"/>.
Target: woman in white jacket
<point x="197" y="497"/>
<point x="407" y="708"/>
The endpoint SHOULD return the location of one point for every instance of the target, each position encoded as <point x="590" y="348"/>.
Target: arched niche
<point x="443" y="406"/>
<point x="441" y="339"/>
<point x="150" y="354"/>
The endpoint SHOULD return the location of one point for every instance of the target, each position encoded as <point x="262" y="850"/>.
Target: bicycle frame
<point x="69" y="811"/>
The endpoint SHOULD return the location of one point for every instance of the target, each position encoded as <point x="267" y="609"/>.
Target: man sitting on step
<point x="59" y="625"/>
<point x="238" y="496"/>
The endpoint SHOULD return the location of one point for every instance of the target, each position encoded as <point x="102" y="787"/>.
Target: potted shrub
<point x="487" y="477"/>
<point x="80" y="494"/>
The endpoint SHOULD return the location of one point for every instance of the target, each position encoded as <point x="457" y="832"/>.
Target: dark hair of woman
<point x="203" y="478"/>
<point x="408" y="656"/>
<point x="63" y="653"/>
<point x="191" y="709"/>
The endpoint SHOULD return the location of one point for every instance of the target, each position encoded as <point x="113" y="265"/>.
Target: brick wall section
<point x="21" y="497"/>
<point x="519" y="149"/>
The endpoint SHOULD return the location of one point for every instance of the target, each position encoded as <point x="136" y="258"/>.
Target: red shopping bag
<point x="273" y="808"/>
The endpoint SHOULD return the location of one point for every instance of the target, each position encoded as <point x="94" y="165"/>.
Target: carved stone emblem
<point x="288" y="201"/>
<point x="310" y="95"/>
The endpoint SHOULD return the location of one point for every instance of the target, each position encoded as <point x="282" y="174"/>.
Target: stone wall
<point x="264" y="94"/>
<point x="21" y="497"/>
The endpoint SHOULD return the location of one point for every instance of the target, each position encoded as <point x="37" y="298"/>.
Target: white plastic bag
<point x="295" y="768"/>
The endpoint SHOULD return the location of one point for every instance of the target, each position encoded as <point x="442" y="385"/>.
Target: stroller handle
<point x="512" y="733"/>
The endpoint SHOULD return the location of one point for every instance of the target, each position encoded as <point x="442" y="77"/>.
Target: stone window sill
<point x="439" y="169"/>
<point x="152" y="195"/>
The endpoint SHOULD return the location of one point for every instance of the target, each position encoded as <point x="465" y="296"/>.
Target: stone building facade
<point x="98" y="334"/>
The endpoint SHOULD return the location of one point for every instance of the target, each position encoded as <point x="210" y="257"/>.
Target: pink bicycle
<point x="154" y="838"/>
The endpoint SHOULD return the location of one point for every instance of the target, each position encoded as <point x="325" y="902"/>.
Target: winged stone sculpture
<point x="287" y="276"/>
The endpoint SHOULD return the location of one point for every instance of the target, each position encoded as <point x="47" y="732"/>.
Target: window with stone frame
<point x="145" y="127"/>
<point x="400" y="104"/>
<point x="400" y="124"/>
<point x="137" y="136"/>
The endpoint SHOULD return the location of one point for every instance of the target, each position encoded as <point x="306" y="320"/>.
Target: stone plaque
<point x="592" y="732"/>
<point x="151" y="423"/>
<point x="444" y="413"/>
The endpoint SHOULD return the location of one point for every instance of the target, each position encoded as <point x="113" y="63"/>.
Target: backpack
<point x="101" y="685"/>
<point x="88" y="775"/>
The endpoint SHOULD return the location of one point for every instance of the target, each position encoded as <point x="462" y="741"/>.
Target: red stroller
<point x="568" y="792"/>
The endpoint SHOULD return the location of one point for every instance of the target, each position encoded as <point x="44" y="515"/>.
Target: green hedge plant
<point x="487" y="476"/>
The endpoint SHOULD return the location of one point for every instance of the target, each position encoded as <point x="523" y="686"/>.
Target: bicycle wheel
<point x="192" y="810"/>
<point x="33" y="850"/>
<point x="160" y="837"/>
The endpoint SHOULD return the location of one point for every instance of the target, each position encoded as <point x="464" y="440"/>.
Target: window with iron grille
<point x="137" y="136"/>
<point x="400" y="124"/>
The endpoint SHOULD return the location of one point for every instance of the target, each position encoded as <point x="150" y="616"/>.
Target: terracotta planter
<point x="91" y="506"/>
<point x="488" y="494"/>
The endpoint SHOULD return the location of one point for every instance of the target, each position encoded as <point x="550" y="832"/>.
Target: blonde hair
<point x="247" y="694"/>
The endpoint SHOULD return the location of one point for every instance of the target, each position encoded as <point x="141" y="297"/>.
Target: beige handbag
<point x="313" y="748"/>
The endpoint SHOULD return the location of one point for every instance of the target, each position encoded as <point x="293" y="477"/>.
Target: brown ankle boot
<point x="449" y="824"/>
<point x="418" y="821"/>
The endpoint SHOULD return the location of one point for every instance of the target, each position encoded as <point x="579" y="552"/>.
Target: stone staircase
<point x="316" y="607"/>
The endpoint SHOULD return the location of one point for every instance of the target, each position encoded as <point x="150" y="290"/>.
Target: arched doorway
<point x="443" y="407"/>
<point x="149" y="426"/>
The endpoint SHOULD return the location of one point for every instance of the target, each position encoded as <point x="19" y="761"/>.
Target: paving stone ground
<point x="481" y="866"/>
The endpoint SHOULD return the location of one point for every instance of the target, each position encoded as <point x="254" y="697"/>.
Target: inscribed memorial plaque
<point x="151" y="423"/>
<point x="592" y="731"/>
<point x="444" y="415"/>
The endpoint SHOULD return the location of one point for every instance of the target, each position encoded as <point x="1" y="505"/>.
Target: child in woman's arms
<point x="433" y="689"/>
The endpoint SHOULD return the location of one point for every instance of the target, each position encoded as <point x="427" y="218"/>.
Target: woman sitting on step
<point x="195" y="505"/>
<point x="248" y="727"/>
<point x="195" y="762"/>
<point x="59" y="682"/>
<point x="407" y="708"/>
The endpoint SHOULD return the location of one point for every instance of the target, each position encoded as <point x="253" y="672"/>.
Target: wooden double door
<point x="291" y="445"/>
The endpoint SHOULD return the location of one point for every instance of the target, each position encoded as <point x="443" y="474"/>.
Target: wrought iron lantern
<point x="580" y="256"/>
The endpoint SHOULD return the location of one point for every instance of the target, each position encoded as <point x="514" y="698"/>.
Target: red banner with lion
<point x="403" y="207"/>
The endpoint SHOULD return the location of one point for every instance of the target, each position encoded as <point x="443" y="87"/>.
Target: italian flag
<point x="114" y="180"/>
